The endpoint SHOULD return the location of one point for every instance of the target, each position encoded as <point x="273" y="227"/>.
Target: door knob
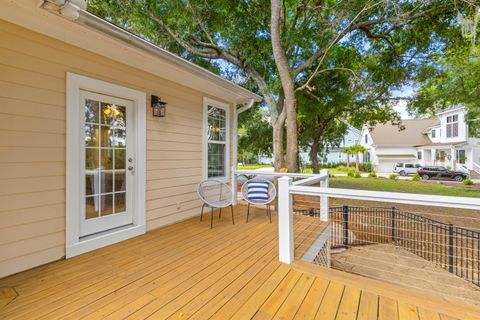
<point x="130" y="168"/>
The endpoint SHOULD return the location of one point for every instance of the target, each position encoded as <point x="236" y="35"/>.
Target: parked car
<point x="404" y="169"/>
<point x="437" y="172"/>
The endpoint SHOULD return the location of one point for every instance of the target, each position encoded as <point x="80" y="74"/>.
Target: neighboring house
<point x="335" y="154"/>
<point x="443" y="141"/>
<point x="84" y="162"/>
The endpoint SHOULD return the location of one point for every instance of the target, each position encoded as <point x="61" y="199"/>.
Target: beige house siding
<point x="32" y="144"/>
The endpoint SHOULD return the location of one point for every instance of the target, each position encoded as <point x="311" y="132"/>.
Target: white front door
<point x="107" y="162"/>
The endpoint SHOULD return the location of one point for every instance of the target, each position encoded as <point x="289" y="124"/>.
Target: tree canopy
<point x="281" y="49"/>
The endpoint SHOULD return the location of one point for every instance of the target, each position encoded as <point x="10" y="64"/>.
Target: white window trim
<point x="451" y="124"/>
<point x="226" y="107"/>
<point x="74" y="244"/>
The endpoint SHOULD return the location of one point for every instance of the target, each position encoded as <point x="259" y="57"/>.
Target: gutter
<point x="236" y="112"/>
<point x="73" y="10"/>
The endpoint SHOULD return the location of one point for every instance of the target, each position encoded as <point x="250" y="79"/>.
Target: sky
<point x="401" y="105"/>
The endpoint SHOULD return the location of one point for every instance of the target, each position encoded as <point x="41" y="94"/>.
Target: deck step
<point x="474" y="174"/>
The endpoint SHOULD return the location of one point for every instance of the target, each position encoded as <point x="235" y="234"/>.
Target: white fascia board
<point x="122" y="46"/>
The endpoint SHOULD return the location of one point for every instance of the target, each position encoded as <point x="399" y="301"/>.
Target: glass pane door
<point x="106" y="154"/>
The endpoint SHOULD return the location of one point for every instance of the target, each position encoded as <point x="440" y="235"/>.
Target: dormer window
<point x="452" y="126"/>
<point x="434" y="132"/>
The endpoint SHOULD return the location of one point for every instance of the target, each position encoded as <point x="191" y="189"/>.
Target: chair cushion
<point x="257" y="190"/>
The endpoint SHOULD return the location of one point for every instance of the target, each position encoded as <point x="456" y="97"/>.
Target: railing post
<point x="324" y="205"/>
<point x="234" y="186"/>
<point x="285" y="221"/>
<point x="345" y="226"/>
<point x="450" y="248"/>
<point x="393" y="223"/>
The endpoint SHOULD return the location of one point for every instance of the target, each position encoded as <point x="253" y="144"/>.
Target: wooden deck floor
<point x="189" y="271"/>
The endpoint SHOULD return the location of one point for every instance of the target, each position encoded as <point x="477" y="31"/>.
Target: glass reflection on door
<point x="105" y="159"/>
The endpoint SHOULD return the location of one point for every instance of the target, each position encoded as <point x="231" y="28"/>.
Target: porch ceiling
<point x="188" y="270"/>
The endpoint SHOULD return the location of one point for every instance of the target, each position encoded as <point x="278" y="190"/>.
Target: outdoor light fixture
<point x="159" y="107"/>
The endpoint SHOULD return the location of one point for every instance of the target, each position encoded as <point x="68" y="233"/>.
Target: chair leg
<point x="201" y="214"/>
<point x="248" y="211"/>
<point x="269" y="211"/>
<point x="233" y="219"/>
<point x="211" y="220"/>
<point x="220" y="213"/>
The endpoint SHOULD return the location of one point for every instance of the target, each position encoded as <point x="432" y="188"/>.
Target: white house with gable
<point x="443" y="141"/>
<point x="334" y="153"/>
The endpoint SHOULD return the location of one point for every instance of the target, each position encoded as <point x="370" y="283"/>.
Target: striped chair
<point x="258" y="191"/>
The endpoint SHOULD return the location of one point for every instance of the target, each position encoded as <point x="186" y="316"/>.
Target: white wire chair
<point x="215" y="195"/>
<point x="272" y="193"/>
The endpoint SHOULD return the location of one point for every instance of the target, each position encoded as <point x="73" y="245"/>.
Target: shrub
<point x="393" y="176"/>
<point x="366" y="167"/>
<point x="357" y="175"/>
<point x="416" y="177"/>
<point x="343" y="168"/>
<point x="468" y="182"/>
<point x="351" y="172"/>
<point x="372" y="175"/>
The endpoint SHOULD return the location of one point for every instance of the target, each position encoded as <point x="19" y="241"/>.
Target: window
<point x="409" y="165"/>
<point x="434" y="132"/>
<point x="419" y="155"/>
<point x="452" y="126"/>
<point x="366" y="138"/>
<point x="217" y="139"/>
<point x="366" y="157"/>
<point x="460" y="156"/>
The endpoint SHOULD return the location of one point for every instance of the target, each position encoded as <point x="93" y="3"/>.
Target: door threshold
<point x="103" y="239"/>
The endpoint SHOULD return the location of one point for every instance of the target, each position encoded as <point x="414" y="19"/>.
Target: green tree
<point x="453" y="81"/>
<point x="255" y="132"/>
<point x="357" y="150"/>
<point x="279" y="48"/>
<point x="348" y="151"/>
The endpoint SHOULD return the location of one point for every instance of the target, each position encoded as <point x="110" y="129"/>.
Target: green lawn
<point x="253" y="166"/>
<point x="330" y="170"/>
<point x="382" y="184"/>
<point x="307" y="170"/>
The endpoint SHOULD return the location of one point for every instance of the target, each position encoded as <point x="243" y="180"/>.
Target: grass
<point x="253" y="166"/>
<point x="306" y="170"/>
<point x="330" y="170"/>
<point x="382" y="184"/>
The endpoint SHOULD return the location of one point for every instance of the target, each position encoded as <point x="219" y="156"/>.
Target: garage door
<point x="385" y="166"/>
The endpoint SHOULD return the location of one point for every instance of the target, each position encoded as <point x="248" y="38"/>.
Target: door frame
<point x="75" y="244"/>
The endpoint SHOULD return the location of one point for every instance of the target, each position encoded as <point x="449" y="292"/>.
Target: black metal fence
<point x="450" y="247"/>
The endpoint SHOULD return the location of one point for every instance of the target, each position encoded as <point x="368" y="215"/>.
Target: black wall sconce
<point x="159" y="107"/>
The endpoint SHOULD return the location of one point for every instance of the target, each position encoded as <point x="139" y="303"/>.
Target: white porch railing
<point x="286" y="188"/>
<point x="304" y="179"/>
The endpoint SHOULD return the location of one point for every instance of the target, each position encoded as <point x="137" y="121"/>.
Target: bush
<point x="366" y="167"/>
<point x="416" y="177"/>
<point x="357" y="175"/>
<point x="468" y="182"/>
<point x="351" y="172"/>
<point x="393" y="176"/>
<point x="372" y="175"/>
<point x="343" y="168"/>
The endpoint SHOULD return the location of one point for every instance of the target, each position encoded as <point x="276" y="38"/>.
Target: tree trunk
<point x="278" y="159"/>
<point x="287" y="85"/>
<point x="314" y="157"/>
<point x="357" y="161"/>
<point x="314" y="149"/>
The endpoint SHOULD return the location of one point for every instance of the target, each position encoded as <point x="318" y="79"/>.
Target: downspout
<point x="236" y="112"/>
